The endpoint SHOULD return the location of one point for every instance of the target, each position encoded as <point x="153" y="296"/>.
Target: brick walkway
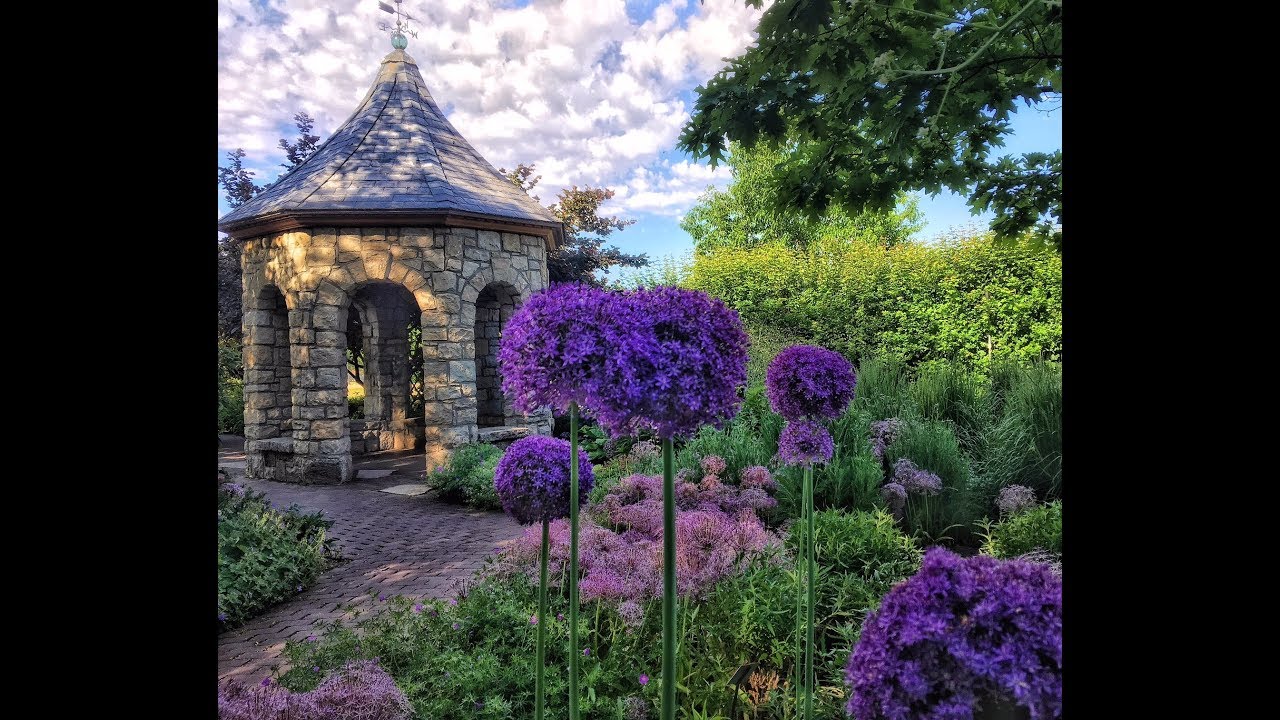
<point x="392" y="544"/>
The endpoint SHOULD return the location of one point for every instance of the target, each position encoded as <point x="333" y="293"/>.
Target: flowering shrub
<point x="677" y="362"/>
<point x="808" y="382"/>
<point x="961" y="633"/>
<point x="717" y="532"/>
<point x="532" y="478"/>
<point x="265" y="555"/>
<point x="1038" y="529"/>
<point x="359" y="691"/>
<point x="803" y="442"/>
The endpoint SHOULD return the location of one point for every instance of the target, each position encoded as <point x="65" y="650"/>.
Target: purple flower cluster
<point x="915" y="480"/>
<point x="804" y="442"/>
<point x="644" y="450"/>
<point x="235" y="489"/>
<point x="637" y="708"/>
<point x="805" y="381"/>
<point x="532" y="479"/>
<point x="664" y="358"/>
<point x="1013" y="499"/>
<point x="678" y="364"/>
<point x="359" y="691"/>
<point x="713" y="465"/>
<point x="757" y="476"/>
<point x="895" y="496"/>
<point x="554" y="346"/>
<point x="717" y="532"/>
<point x="883" y="434"/>
<point x="960" y="634"/>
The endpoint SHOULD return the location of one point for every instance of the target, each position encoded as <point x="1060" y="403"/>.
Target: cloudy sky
<point x="592" y="91"/>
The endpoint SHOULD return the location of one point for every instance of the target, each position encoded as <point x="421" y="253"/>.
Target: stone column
<point x="267" y="381"/>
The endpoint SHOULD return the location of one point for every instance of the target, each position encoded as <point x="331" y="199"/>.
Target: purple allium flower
<point x="960" y="633"/>
<point x="631" y="612"/>
<point x="677" y="360"/>
<point x="804" y="442"/>
<point x="883" y="434"/>
<point x="644" y="679"/>
<point x="637" y="708"/>
<point x="895" y="496"/>
<point x="554" y="347"/>
<point x="713" y="465"/>
<point x="809" y="382"/>
<point x="455" y="626"/>
<point x="532" y="478"/>
<point x="417" y="608"/>
<point x="533" y="619"/>
<point x="359" y="690"/>
<point x="758" y="476"/>
<point x="560" y="617"/>
<point x="311" y="638"/>
<point x="1014" y="499"/>
<point x="453" y="602"/>
<point x="382" y="597"/>
<point x="586" y="651"/>
<point x="915" y="479"/>
<point x="265" y="681"/>
<point x="315" y="668"/>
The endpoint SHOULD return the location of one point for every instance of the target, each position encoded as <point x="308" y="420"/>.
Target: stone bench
<point x="503" y="435"/>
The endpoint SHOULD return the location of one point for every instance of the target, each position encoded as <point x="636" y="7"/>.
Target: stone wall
<point x="319" y="271"/>
<point x="495" y="306"/>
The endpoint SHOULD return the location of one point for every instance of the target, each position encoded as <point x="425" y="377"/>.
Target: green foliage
<point x="468" y="477"/>
<point x="230" y="387"/>
<point x="355" y="402"/>
<point x="742" y="216"/>
<point x="1024" y="447"/>
<point x="1036" y="529"/>
<point x="265" y="554"/>
<point x="947" y="392"/>
<point x="883" y="389"/>
<point x="739" y="444"/>
<point x="876" y="100"/>
<point x="970" y="300"/>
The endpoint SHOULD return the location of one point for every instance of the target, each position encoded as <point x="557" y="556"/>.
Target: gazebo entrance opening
<point x="384" y="353"/>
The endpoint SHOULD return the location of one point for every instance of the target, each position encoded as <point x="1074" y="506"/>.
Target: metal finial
<point x="398" y="31"/>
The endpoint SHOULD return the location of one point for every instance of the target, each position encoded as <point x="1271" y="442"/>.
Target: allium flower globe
<point x="804" y="442"/>
<point x="1014" y="499"/>
<point x="554" y="347"/>
<point x="895" y="496"/>
<point x="532" y="479"/>
<point x="914" y="479"/>
<point x="809" y="382"/>
<point x="959" y="635"/>
<point x="677" y="360"/>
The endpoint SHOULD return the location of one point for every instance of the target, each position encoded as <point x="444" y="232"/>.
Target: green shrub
<point x="1025" y="446"/>
<point x="355" y="402"/>
<point x="468" y="477"/>
<point x="231" y="406"/>
<point x="969" y="299"/>
<point x="948" y="392"/>
<point x="265" y="555"/>
<point x="883" y="389"/>
<point x="1036" y="529"/>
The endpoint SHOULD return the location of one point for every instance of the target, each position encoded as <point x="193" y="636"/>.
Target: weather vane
<point x="398" y="39"/>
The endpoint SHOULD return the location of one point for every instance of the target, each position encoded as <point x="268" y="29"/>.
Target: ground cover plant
<point x="265" y="554"/>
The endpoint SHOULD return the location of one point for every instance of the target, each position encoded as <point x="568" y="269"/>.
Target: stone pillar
<point x="267" y="381"/>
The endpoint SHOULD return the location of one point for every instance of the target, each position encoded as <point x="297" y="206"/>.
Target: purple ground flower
<point x="895" y="496"/>
<point x="417" y="608"/>
<point x="757" y="476"/>
<point x="222" y="617"/>
<point x="234" y="488"/>
<point x="677" y="360"/>
<point x="554" y="347"/>
<point x="960" y="633"/>
<point x="1014" y="499"/>
<point x="804" y="442"/>
<point x="809" y="382"/>
<point x="713" y="465"/>
<point x="644" y="679"/>
<point x="914" y="479"/>
<point x="532" y="478"/>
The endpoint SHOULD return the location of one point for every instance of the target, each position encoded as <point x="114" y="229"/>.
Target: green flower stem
<point x="573" y="561"/>
<point x="539" y="672"/>
<point x="809" y="678"/>
<point x="800" y="595"/>
<point x="668" y="581"/>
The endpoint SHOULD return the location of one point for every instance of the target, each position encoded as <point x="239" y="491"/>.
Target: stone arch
<point x="388" y="318"/>
<point x="494" y="305"/>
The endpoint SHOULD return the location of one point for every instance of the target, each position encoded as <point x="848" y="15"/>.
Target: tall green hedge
<point x="966" y="299"/>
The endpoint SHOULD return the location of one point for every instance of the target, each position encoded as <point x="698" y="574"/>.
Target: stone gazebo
<point x="394" y="221"/>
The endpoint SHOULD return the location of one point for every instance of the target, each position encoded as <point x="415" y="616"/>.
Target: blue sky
<point x="594" y="92"/>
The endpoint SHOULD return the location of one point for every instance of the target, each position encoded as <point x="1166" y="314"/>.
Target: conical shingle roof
<point x="395" y="161"/>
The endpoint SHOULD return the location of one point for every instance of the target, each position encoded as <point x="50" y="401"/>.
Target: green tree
<point x="894" y="95"/>
<point x="743" y="215"/>
<point x="583" y="253"/>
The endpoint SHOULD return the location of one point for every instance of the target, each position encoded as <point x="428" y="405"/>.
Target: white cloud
<point x="522" y="84"/>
